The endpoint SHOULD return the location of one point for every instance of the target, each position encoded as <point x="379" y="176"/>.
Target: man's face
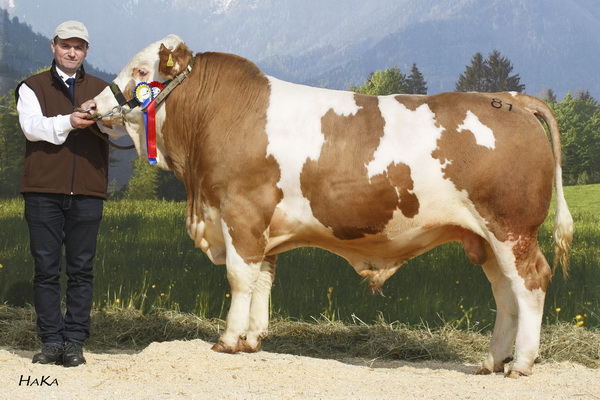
<point x="69" y="53"/>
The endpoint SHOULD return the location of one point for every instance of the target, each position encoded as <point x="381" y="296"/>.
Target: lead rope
<point x="96" y="131"/>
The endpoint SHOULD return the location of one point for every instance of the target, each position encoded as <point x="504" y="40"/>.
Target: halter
<point x="168" y="85"/>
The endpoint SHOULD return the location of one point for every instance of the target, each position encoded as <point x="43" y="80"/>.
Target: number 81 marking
<point x="497" y="103"/>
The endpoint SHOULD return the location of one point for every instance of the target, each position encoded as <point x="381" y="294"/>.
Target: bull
<point x="271" y="166"/>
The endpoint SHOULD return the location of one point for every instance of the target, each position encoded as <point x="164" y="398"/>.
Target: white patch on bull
<point x="295" y="135"/>
<point x="522" y="312"/>
<point x="484" y="136"/>
<point x="161" y="115"/>
<point x="242" y="278"/>
<point x="409" y="136"/>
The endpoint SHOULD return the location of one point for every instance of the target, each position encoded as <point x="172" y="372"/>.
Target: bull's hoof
<point x="221" y="347"/>
<point x="483" y="371"/>
<point x="537" y="360"/>
<point x="514" y="374"/>
<point x="247" y="347"/>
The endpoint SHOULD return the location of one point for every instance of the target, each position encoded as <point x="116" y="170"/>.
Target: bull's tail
<point x="563" y="222"/>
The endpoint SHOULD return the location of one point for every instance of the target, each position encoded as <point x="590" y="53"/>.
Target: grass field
<point x="129" y="329"/>
<point x="146" y="261"/>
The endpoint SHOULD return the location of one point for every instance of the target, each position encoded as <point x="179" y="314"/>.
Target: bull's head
<point x="160" y="62"/>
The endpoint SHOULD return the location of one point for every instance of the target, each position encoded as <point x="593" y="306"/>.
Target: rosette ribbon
<point x="145" y="93"/>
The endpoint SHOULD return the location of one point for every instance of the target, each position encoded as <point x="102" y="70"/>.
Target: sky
<point x="292" y="28"/>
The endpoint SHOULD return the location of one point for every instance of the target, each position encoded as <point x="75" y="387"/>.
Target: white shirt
<point x="54" y="130"/>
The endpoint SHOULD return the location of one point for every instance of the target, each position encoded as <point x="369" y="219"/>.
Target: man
<point x="64" y="184"/>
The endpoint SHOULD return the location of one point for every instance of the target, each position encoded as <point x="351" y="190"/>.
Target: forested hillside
<point x="23" y="52"/>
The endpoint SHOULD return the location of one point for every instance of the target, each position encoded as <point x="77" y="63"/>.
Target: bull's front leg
<point x="505" y="328"/>
<point x="250" y="285"/>
<point x="259" y="306"/>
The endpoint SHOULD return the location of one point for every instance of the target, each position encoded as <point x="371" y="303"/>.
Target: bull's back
<point x="362" y="165"/>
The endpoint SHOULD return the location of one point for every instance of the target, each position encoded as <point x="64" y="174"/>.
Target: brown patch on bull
<point x="400" y="177"/>
<point x="474" y="246"/>
<point x="341" y="195"/>
<point x="411" y="102"/>
<point x="511" y="184"/>
<point x="173" y="62"/>
<point x="532" y="264"/>
<point x="202" y="135"/>
<point x="128" y="90"/>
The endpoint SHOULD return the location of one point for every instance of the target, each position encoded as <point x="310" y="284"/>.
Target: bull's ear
<point x="173" y="62"/>
<point x="166" y="62"/>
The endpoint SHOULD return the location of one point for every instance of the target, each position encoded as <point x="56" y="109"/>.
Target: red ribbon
<point x="151" y="132"/>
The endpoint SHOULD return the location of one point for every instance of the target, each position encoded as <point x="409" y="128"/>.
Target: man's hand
<point x="79" y="118"/>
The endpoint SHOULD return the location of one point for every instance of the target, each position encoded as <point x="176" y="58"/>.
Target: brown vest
<point x="79" y="166"/>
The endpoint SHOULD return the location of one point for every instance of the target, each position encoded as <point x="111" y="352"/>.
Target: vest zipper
<point x="74" y="148"/>
<point x="74" y="164"/>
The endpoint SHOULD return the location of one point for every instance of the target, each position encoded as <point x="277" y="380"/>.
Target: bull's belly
<point x="402" y="239"/>
<point x="374" y="257"/>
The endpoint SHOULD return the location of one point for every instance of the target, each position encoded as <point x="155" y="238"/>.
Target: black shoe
<point x="52" y="353"/>
<point x="73" y="355"/>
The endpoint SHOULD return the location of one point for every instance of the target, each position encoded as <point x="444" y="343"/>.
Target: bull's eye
<point x="142" y="72"/>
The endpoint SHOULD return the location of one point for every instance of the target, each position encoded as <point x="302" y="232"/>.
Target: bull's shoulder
<point x="226" y="63"/>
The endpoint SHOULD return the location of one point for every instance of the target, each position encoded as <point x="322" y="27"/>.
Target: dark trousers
<point x="54" y="220"/>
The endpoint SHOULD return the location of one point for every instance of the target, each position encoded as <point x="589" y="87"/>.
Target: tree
<point x="12" y="148"/>
<point x="143" y="182"/>
<point x="498" y="74"/>
<point x="474" y="78"/>
<point x="415" y="82"/>
<point x="169" y="187"/>
<point x="548" y="96"/>
<point x="585" y="95"/>
<point x="490" y="75"/>
<point x="12" y="144"/>
<point x="579" y="122"/>
<point x="388" y="81"/>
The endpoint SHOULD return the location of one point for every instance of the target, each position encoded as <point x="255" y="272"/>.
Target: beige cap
<point x="72" y="29"/>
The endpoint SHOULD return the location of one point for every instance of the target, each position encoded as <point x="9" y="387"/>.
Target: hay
<point x="17" y="327"/>
<point x="328" y="339"/>
<point x="129" y="328"/>
<point x="565" y="342"/>
<point x="132" y="330"/>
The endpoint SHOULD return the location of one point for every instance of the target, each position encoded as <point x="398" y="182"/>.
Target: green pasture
<point x="145" y="260"/>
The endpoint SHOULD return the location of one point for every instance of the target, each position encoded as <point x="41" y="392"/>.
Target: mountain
<point x="329" y="43"/>
<point x="542" y="39"/>
<point x="23" y="52"/>
<point x="551" y="43"/>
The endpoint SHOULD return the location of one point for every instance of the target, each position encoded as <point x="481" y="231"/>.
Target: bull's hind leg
<point x="519" y="276"/>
